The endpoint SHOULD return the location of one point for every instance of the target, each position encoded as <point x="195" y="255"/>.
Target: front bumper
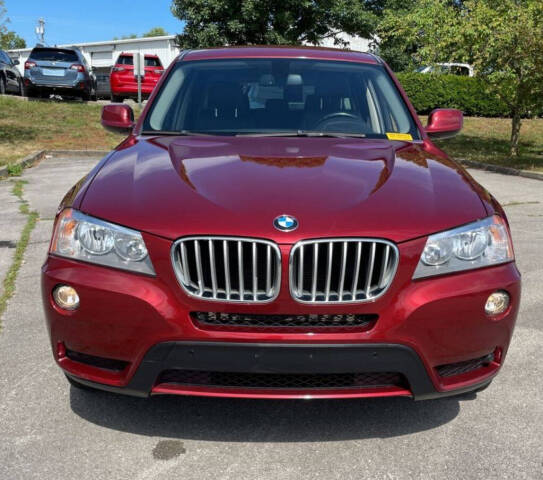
<point x="145" y="322"/>
<point x="297" y="364"/>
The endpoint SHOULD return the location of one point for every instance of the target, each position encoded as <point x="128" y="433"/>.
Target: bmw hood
<point x="178" y="186"/>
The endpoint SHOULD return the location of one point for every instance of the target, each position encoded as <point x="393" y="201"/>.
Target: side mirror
<point x="444" y="123"/>
<point x="118" y="118"/>
<point x="15" y="62"/>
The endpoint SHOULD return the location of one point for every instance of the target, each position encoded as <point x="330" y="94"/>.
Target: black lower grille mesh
<point x="467" y="366"/>
<point x="98" y="362"/>
<point x="295" y="381"/>
<point x="342" y="321"/>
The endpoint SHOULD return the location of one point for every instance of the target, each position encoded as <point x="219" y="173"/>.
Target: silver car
<point x="62" y="71"/>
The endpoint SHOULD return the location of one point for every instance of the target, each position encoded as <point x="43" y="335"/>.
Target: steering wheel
<point x="327" y="119"/>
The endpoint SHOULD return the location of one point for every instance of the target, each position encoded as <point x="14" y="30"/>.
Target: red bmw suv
<point x="279" y="224"/>
<point x="124" y="84"/>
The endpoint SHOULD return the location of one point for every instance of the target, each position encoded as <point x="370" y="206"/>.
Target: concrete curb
<point x="503" y="170"/>
<point x="28" y="161"/>
<point x="34" y="158"/>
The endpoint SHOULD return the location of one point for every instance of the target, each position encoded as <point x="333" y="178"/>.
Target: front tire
<point x="21" y="88"/>
<point x="2" y="86"/>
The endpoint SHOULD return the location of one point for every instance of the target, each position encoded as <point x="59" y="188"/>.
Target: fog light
<point x="497" y="303"/>
<point x="66" y="297"/>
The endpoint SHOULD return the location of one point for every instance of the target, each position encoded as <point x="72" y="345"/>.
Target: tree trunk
<point x="515" y="134"/>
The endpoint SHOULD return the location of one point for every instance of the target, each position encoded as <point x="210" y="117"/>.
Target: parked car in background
<point x="62" y="71"/>
<point x="462" y="69"/>
<point x="11" y="80"/>
<point x="123" y="82"/>
<point x="279" y="224"/>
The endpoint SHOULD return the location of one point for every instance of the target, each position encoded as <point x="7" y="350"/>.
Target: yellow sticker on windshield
<point x="406" y="137"/>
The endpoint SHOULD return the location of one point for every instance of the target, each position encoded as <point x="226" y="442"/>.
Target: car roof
<point x="128" y="54"/>
<point x="316" y="53"/>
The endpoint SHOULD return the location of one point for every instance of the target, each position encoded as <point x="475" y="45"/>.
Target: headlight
<point x="475" y="245"/>
<point x="89" y="239"/>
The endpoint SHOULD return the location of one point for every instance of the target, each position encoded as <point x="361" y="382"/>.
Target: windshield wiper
<point x="304" y="133"/>
<point x="181" y="133"/>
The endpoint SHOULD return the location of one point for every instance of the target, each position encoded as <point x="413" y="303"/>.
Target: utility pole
<point x="40" y="31"/>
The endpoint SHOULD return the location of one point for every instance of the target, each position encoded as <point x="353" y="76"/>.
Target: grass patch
<point x="26" y="127"/>
<point x="15" y="170"/>
<point x="22" y="244"/>
<point x="487" y="140"/>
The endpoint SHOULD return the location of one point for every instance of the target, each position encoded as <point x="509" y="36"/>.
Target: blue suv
<point x="62" y="71"/>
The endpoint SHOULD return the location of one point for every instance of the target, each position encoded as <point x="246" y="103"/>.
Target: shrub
<point x="428" y="91"/>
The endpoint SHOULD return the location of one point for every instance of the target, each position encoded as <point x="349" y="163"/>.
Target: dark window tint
<point x="4" y="57"/>
<point x="152" y="62"/>
<point x="54" y="55"/>
<point x="125" y="60"/>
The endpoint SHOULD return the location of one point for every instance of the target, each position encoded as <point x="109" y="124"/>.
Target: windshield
<point x="267" y="96"/>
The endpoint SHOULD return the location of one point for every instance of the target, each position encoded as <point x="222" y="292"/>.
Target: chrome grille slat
<point x="329" y="271"/>
<point x="351" y="270"/>
<point x="199" y="266"/>
<point x="184" y="262"/>
<point x="213" y="268"/>
<point x="228" y="269"/>
<point x="255" y="271"/>
<point x="369" y="273"/>
<point x="268" y="269"/>
<point x="383" y="267"/>
<point x="357" y="269"/>
<point x="301" y="272"/>
<point x="240" y="271"/>
<point x="315" y="270"/>
<point x="343" y="268"/>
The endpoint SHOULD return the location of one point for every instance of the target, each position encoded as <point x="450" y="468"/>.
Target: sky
<point x="77" y="21"/>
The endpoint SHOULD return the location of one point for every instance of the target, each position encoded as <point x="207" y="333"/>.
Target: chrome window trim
<point x="297" y="245"/>
<point x="276" y="284"/>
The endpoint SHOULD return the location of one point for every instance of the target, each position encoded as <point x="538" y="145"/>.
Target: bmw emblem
<point x="285" y="223"/>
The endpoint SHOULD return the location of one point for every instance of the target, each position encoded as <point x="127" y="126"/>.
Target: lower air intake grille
<point x="98" y="362"/>
<point x="341" y="270"/>
<point x="316" y="321"/>
<point x="459" y="368"/>
<point x="276" y="381"/>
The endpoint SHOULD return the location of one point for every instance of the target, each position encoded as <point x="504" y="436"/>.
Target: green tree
<point x="503" y="39"/>
<point x="156" y="32"/>
<point x="126" y="37"/>
<point x="8" y="39"/>
<point x="260" y="22"/>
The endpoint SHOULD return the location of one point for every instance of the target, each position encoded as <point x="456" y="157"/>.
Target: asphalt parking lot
<point x="51" y="430"/>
